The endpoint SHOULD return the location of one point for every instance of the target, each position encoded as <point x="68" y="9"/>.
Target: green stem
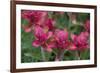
<point x="43" y="54"/>
<point x="60" y="55"/>
<point x="77" y="55"/>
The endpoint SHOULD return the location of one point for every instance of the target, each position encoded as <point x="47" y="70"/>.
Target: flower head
<point x="34" y="18"/>
<point x="42" y="38"/>
<point x="39" y="34"/>
<point x="79" y="42"/>
<point x="50" y="23"/>
<point x="61" y="37"/>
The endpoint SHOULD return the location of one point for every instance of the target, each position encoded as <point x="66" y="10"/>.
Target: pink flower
<point x="40" y="17"/>
<point x="50" y="24"/>
<point x="40" y="35"/>
<point x="61" y="38"/>
<point x="41" y="38"/>
<point x="33" y="18"/>
<point x="27" y="15"/>
<point x="79" y="42"/>
<point x="87" y="25"/>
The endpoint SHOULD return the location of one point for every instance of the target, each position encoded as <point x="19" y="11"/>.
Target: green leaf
<point x="76" y="29"/>
<point x="85" y="54"/>
<point x="69" y="55"/>
<point x="24" y="22"/>
<point x="82" y="17"/>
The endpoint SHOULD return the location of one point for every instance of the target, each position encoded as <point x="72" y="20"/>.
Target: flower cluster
<point x="49" y="37"/>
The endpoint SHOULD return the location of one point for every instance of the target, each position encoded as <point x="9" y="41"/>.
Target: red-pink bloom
<point x="27" y="15"/>
<point x="40" y="17"/>
<point x="61" y="38"/>
<point x="87" y="25"/>
<point x="50" y="24"/>
<point x="79" y="42"/>
<point x="33" y="18"/>
<point x="41" y="38"/>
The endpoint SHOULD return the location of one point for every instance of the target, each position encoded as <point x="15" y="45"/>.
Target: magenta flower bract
<point x="41" y="38"/>
<point x="50" y="24"/>
<point x="87" y="26"/>
<point x="61" y="38"/>
<point x="40" y="35"/>
<point x="33" y="18"/>
<point x="79" y="42"/>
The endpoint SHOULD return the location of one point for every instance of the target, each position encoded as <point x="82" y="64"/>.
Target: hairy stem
<point x="43" y="54"/>
<point x="60" y="55"/>
<point x="78" y="55"/>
